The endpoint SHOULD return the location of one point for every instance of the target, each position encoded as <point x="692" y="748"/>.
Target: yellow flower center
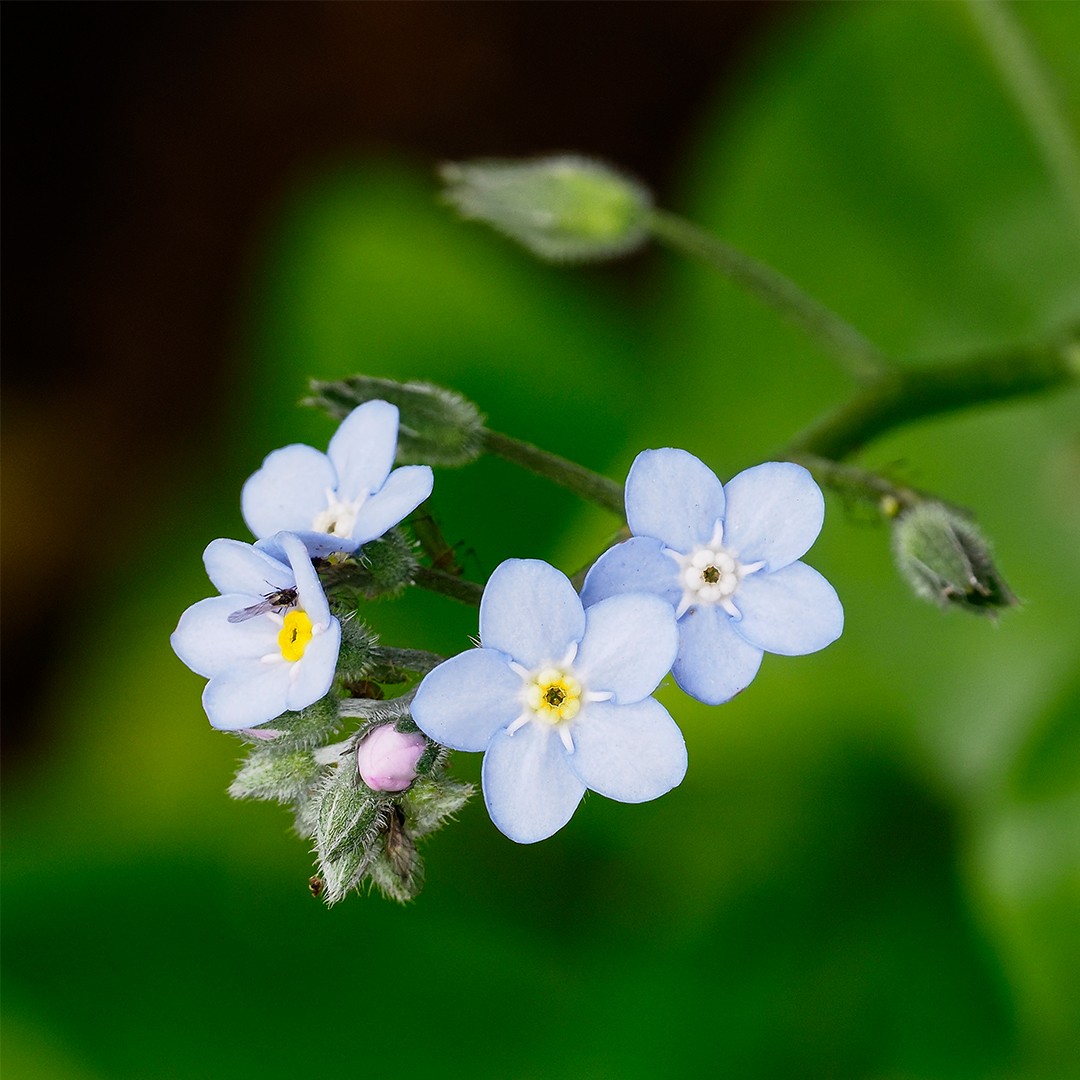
<point x="295" y="635"/>
<point x="553" y="695"/>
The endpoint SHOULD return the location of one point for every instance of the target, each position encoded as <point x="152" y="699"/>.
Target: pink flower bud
<point x="386" y="759"/>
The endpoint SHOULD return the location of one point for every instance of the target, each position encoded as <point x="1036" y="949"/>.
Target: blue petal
<point x="208" y="643"/>
<point x="312" y="597"/>
<point x="530" y="790"/>
<point x="464" y="701"/>
<point x="235" y="567"/>
<point x="288" y="491"/>
<point x="318" y="544"/>
<point x="791" y="612"/>
<point x="673" y="496"/>
<point x="629" y="645"/>
<point x="246" y="695"/>
<point x="774" y="513"/>
<point x="632" y="753"/>
<point x="714" y="663"/>
<point x="636" y="565"/>
<point x="531" y="612"/>
<point x="405" y="489"/>
<point x="363" y="448"/>
<point x="313" y="674"/>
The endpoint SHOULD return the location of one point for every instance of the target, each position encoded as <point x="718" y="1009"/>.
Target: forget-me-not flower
<point x="349" y="493"/>
<point x="725" y="556"/>
<point x="268" y="643"/>
<point x="559" y="700"/>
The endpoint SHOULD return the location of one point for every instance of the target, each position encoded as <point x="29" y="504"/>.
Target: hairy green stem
<point x="918" y="391"/>
<point x="851" y="482"/>
<point x="839" y="338"/>
<point x="1025" y="79"/>
<point x="416" y="660"/>
<point x="581" y="481"/>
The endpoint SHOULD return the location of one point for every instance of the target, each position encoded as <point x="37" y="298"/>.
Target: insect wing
<point x="261" y="608"/>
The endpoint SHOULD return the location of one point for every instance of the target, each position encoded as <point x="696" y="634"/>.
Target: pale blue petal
<point x="288" y="491"/>
<point x="248" y="694"/>
<point x="318" y="544"/>
<point x="530" y="790"/>
<point x="791" y="612"/>
<point x="465" y="700"/>
<point x="636" y="565"/>
<point x="629" y="645"/>
<point x="313" y="674"/>
<point x="235" y="567"/>
<point x="208" y="643"/>
<point x="531" y="612"/>
<point x="673" y="496"/>
<point x="405" y="489"/>
<point x="312" y="597"/>
<point x="632" y="753"/>
<point x="774" y="513"/>
<point x="363" y="448"/>
<point x="714" y="663"/>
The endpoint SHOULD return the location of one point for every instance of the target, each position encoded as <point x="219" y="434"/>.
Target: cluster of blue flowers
<point x="558" y="695"/>
<point x="268" y="643"/>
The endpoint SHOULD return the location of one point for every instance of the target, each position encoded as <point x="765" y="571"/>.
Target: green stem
<point x="850" y="482"/>
<point x="457" y="588"/>
<point x="839" y="338"/>
<point x="913" y="393"/>
<point x="416" y="660"/>
<point x="581" y="481"/>
<point x="1024" y="77"/>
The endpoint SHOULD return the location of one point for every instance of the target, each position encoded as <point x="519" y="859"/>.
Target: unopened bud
<point x="436" y="426"/>
<point x="566" y="209"/>
<point x="387" y="759"/>
<point x="946" y="559"/>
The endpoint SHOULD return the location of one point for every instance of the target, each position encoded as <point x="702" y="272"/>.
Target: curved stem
<point x="839" y="338"/>
<point x="912" y="393"/>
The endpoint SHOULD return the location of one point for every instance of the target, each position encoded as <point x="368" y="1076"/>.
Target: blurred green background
<point x="872" y="868"/>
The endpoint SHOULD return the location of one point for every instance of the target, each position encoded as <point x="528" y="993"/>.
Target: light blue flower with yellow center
<point x="343" y="498"/>
<point x="726" y="558"/>
<point x="268" y="643"/>
<point x="559" y="699"/>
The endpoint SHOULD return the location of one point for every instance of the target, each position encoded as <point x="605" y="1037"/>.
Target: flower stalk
<point x="904" y="395"/>
<point x="856" y="352"/>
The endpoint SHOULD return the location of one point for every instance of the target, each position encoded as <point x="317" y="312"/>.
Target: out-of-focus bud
<point x="566" y="209"/>
<point x="945" y="558"/>
<point x="437" y="426"/>
<point x="387" y="758"/>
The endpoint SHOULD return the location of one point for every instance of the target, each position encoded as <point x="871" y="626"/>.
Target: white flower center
<point x="710" y="574"/>
<point x="339" y="517"/>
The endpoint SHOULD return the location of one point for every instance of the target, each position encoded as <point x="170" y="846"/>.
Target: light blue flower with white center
<point x="558" y="698"/>
<point x="348" y="494"/>
<point x="268" y="643"/>
<point x="725" y="556"/>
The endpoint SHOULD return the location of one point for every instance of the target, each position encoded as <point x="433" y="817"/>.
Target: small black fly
<point x="278" y="601"/>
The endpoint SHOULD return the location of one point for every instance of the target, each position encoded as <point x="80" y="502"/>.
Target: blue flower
<point x="348" y="493"/>
<point x="558" y="698"/>
<point x="726" y="558"/>
<point x="269" y="643"/>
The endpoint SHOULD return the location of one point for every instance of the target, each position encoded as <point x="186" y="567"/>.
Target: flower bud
<point x="946" y="559"/>
<point x="566" y="209"/>
<point x="387" y="758"/>
<point x="436" y="427"/>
